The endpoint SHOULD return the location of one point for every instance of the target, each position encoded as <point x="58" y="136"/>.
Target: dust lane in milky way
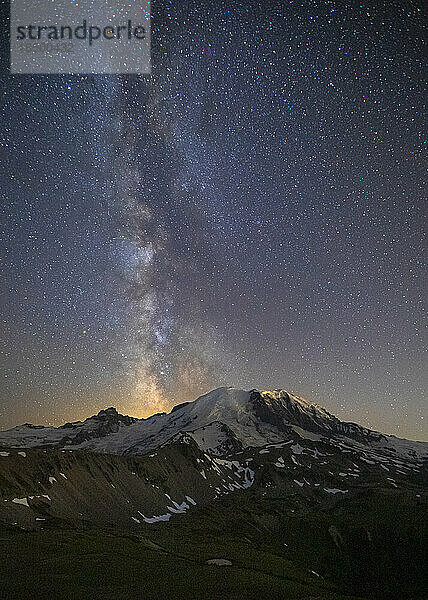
<point x="250" y="214"/>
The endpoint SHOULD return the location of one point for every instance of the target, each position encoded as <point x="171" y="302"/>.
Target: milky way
<point x="249" y="214"/>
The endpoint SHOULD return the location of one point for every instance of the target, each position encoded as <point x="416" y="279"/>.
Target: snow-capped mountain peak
<point x="223" y="421"/>
<point x="106" y="422"/>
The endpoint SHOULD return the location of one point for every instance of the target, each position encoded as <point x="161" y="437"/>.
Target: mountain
<point x="106" y="422"/>
<point x="274" y="490"/>
<point x="223" y="421"/>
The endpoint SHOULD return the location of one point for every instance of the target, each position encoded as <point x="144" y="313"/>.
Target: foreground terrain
<point x="237" y="495"/>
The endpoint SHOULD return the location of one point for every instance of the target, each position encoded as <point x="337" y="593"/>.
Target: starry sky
<point x="249" y="214"/>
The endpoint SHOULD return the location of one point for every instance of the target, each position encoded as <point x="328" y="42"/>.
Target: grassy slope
<point x="371" y="547"/>
<point x="71" y="565"/>
<point x="368" y="544"/>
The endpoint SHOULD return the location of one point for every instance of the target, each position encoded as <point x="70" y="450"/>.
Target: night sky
<point x="250" y="214"/>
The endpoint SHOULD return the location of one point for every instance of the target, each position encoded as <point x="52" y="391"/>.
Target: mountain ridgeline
<point x="230" y="419"/>
<point x="271" y="488"/>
